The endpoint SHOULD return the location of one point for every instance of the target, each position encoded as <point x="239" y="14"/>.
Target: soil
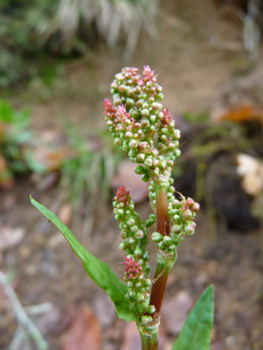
<point x="194" y="62"/>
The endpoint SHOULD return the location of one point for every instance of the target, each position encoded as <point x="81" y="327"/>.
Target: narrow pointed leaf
<point x="100" y="272"/>
<point x="196" y="332"/>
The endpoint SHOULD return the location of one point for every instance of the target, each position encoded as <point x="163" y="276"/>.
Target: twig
<point x="20" y="313"/>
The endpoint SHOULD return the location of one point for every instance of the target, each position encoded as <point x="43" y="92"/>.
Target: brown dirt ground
<point x="192" y="73"/>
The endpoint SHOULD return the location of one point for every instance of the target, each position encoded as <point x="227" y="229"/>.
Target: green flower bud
<point x="157" y="106"/>
<point x="117" y="141"/>
<point x="162" y="165"/>
<point x="172" y="248"/>
<point x="131" y="153"/>
<point x="140" y="157"/>
<point x="153" y="118"/>
<point x="157" y="237"/>
<point x="177" y="153"/>
<point x="190" y="230"/>
<point x="128" y="135"/>
<point x="140" y="170"/>
<point x="151" y="309"/>
<point x="177" y="218"/>
<point x="145" y="123"/>
<point x="156" y="171"/>
<point x="187" y="215"/>
<point x="146" y="319"/>
<point x="176" y="204"/>
<point x="133" y="144"/>
<point x="147" y="282"/>
<point x="134" y="228"/>
<point x="140" y="297"/>
<point x="161" y="245"/>
<point x="131" y="222"/>
<point x="139" y="234"/>
<point x="145" y="112"/>
<point x="145" y="178"/>
<point x="152" y="195"/>
<point x="140" y="103"/>
<point x="137" y="252"/>
<point x="130" y="102"/>
<point x="167" y="240"/>
<point x="122" y="246"/>
<point x="146" y="255"/>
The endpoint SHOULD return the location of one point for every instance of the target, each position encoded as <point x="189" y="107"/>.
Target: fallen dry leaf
<point x="10" y="236"/>
<point x="239" y="114"/>
<point x="84" y="332"/>
<point x="251" y="169"/>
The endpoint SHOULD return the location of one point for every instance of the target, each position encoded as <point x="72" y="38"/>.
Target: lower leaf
<point x="196" y="332"/>
<point x="100" y="272"/>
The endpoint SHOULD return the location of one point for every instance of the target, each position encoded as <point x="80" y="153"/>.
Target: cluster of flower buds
<point x="139" y="289"/>
<point x="134" y="243"/>
<point x="145" y="130"/>
<point x="141" y="126"/>
<point x="182" y="214"/>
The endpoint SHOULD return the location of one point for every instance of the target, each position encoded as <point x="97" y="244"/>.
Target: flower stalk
<point x="146" y="132"/>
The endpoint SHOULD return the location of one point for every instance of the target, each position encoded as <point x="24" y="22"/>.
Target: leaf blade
<point x="99" y="271"/>
<point x="196" y="332"/>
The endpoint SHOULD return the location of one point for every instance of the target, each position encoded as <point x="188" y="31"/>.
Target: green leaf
<point x="6" y="112"/>
<point x="196" y="332"/>
<point x="100" y="272"/>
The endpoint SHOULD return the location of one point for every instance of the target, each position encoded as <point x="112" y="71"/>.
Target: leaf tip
<point x="211" y="289"/>
<point x="31" y="199"/>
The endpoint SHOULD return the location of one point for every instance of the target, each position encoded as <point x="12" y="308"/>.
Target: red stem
<point x="163" y="228"/>
<point x="162" y="211"/>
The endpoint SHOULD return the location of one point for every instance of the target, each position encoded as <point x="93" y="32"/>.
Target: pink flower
<point x="123" y="196"/>
<point x="132" y="268"/>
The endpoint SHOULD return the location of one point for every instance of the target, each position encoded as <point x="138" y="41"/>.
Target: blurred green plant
<point x="85" y="166"/>
<point x="14" y="135"/>
<point x="19" y="37"/>
<point x="31" y="29"/>
<point x="113" y="20"/>
<point x="90" y="168"/>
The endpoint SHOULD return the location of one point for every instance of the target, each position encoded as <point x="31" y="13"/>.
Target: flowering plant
<point x="145" y="130"/>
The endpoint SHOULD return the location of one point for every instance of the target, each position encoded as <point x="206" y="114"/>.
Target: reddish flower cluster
<point x="148" y="74"/>
<point x="167" y="119"/>
<point x="132" y="268"/>
<point x="191" y="205"/>
<point x="109" y="108"/>
<point x="123" y="196"/>
<point x="125" y="118"/>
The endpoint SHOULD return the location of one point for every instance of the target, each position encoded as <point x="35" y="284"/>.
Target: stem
<point x="160" y="285"/>
<point x="149" y="342"/>
<point x="162" y="211"/>
<point x="162" y="227"/>
<point x="149" y="334"/>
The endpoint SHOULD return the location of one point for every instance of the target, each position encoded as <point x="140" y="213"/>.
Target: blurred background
<point x="57" y="61"/>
